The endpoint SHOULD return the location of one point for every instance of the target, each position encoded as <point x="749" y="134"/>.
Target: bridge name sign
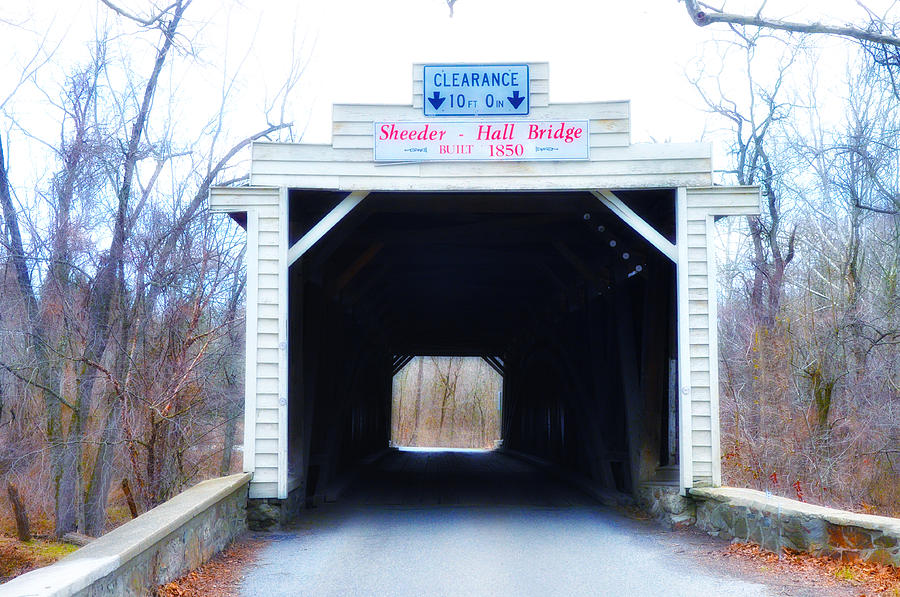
<point x="511" y="140"/>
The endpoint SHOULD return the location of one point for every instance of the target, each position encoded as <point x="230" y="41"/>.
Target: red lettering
<point x="388" y="132"/>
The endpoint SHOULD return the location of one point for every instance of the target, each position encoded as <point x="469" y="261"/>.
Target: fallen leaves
<point x="221" y="576"/>
<point x="871" y="579"/>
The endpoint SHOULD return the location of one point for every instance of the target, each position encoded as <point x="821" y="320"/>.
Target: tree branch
<point x="147" y="21"/>
<point x="702" y="18"/>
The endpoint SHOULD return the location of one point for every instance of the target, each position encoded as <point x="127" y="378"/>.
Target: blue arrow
<point x="436" y="100"/>
<point x="516" y="99"/>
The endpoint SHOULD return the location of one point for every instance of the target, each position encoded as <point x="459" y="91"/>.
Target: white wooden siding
<point x="347" y="164"/>
<point x="697" y="325"/>
<point x="264" y="411"/>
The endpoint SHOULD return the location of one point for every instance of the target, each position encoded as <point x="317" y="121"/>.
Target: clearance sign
<point x="513" y="140"/>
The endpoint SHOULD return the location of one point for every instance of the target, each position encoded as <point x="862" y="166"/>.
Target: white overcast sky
<point x="361" y="51"/>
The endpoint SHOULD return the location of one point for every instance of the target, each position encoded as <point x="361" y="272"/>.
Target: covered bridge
<point x="588" y="282"/>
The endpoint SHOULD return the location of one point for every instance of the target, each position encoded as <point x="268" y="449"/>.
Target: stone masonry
<point x="775" y="522"/>
<point x="153" y="549"/>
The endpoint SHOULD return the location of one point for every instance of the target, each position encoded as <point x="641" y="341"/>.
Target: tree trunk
<point x="129" y="497"/>
<point x="418" y="408"/>
<point x="23" y="529"/>
<point x="227" y="449"/>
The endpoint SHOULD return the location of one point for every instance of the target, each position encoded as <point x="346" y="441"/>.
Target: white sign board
<point x="511" y="140"/>
<point x="475" y="90"/>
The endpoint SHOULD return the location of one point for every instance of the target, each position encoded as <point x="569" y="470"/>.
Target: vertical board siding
<point x="262" y="407"/>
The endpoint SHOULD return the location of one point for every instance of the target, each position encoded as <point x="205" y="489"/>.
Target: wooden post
<point x="23" y="529"/>
<point x="634" y="403"/>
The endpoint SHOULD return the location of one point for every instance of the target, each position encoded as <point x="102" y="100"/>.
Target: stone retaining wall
<point x="775" y="522"/>
<point x="667" y="505"/>
<point x="154" y="548"/>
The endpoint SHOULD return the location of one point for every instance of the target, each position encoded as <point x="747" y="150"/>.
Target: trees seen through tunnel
<point x="449" y="402"/>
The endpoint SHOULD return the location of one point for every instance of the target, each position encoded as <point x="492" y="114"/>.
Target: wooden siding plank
<point x="268" y="296"/>
<point x="700" y="423"/>
<point x="267" y="340"/>
<point x="268" y="311"/>
<point x="700" y="378"/>
<point x="697" y="227"/>
<point x="702" y="452"/>
<point x="696" y="267"/>
<point x="700" y="394"/>
<point x="267" y="281"/>
<point x="700" y="408"/>
<point x="267" y="355"/>
<point x="698" y="321"/>
<point x="268" y="385"/>
<point x="696" y="240"/>
<point x="701" y="441"/>
<point x="266" y="415"/>
<point x="493" y="183"/>
<point x="699" y="350"/>
<point x="268" y="238"/>
<point x="265" y="474"/>
<point x="268" y="224"/>
<point x="263" y="490"/>
<point x="266" y="446"/>
<point x="564" y="111"/>
<point x="266" y="325"/>
<point x="699" y="336"/>
<point x="267" y="461"/>
<point x="266" y="431"/>
<point x="699" y="307"/>
<point x="268" y="252"/>
<point x="697" y="282"/>
<point x="698" y="294"/>
<point x="268" y="266"/>
<point x="700" y="364"/>
<point x="492" y="169"/>
<point x="267" y="401"/>
<point x="267" y="370"/>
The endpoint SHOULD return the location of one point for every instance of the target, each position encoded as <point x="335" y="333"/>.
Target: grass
<point x="846" y="573"/>
<point x="18" y="558"/>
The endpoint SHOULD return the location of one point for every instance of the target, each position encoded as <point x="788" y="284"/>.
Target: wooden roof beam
<point x="637" y="223"/>
<point x="325" y="225"/>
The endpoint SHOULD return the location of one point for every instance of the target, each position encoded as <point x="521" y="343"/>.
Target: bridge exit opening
<point x="446" y="402"/>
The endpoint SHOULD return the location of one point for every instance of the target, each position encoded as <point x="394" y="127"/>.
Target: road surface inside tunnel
<point x="469" y="523"/>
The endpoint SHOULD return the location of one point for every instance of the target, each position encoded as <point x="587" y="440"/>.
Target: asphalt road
<point x="479" y="524"/>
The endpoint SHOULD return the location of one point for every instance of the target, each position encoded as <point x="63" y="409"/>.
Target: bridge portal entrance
<point x="588" y="284"/>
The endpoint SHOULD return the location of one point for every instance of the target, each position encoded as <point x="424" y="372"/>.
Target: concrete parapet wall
<point x="154" y="548"/>
<point x="774" y="522"/>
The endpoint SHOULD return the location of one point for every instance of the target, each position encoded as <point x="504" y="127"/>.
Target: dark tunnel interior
<point x="574" y="307"/>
